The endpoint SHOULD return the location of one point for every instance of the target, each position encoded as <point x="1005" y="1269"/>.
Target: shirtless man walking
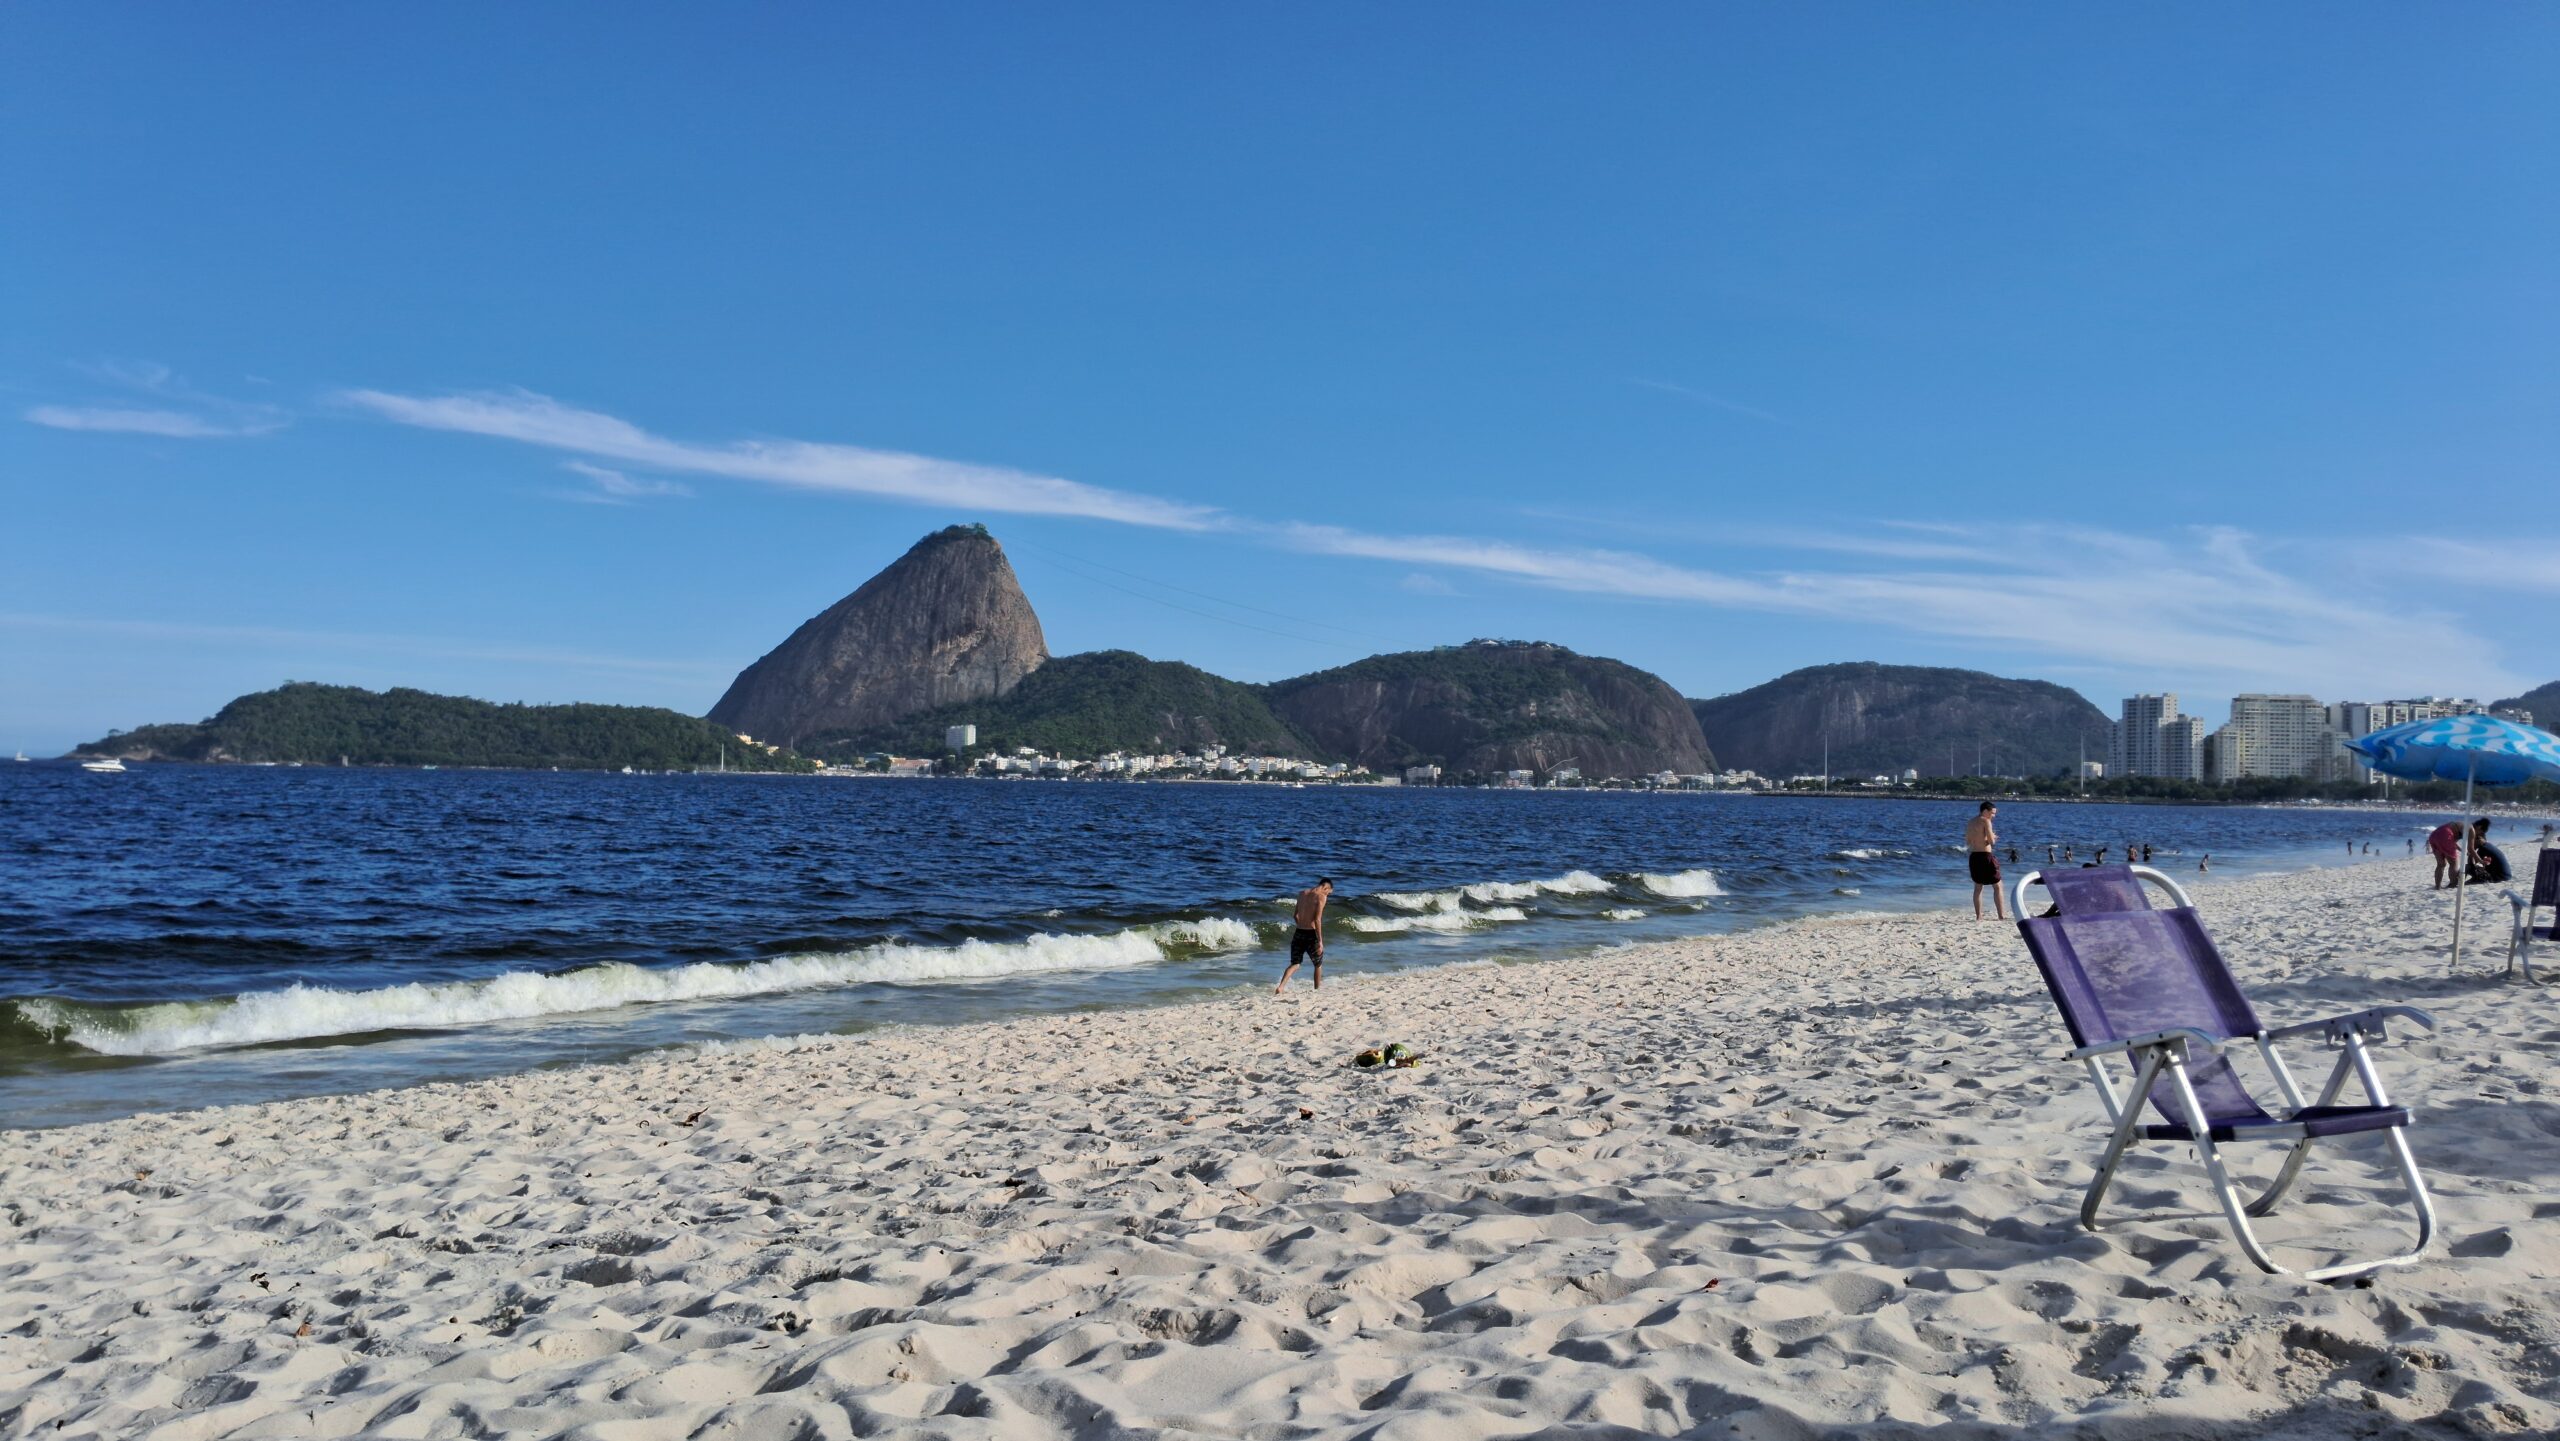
<point x="1306" y="942"/>
<point x="1980" y="855"/>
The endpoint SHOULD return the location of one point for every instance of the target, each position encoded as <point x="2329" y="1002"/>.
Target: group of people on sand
<point x="1982" y="858"/>
<point x="2463" y="855"/>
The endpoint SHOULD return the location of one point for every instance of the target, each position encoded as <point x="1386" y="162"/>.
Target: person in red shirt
<point x="2445" y="844"/>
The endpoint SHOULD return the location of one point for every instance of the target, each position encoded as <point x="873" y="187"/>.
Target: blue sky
<point x="566" y="352"/>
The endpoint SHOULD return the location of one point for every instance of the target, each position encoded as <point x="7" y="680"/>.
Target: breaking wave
<point x="1623" y="913"/>
<point x="306" y="1012"/>
<point x="1571" y="883"/>
<point x="1867" y="853"/>
<point x="1681" y="885"/>
<point x="1452" y="919"/>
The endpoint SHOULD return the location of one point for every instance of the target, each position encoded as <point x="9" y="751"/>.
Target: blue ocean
<point x="183" y="936"/>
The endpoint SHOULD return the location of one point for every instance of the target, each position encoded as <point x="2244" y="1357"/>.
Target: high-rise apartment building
<point x="2364" y="717"/>
<point x="2152" y="739"/>
<point x="2283" y="735"/>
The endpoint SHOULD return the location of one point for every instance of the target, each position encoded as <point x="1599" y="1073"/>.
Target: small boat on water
<point x="112" y="765"/>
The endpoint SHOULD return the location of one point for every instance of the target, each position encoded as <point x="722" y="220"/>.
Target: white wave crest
<point x="1437" y="920"/>
<point x="1623" y="913"/>
<point x="1681" y="885"/>
<point x="1214" y="933"/>
<point x="1571" y="883"/>
<point x="304" y="1012"/>
<point x="1867" y="853"/>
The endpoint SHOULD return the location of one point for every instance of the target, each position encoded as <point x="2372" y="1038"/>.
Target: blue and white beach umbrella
<point x="2476" y="750"/>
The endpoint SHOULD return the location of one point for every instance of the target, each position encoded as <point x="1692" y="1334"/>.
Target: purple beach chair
<point x="2546" y="892"/>
<point x="2147" y="985"/>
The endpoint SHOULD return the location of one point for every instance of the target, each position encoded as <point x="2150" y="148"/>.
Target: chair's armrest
<point x="2355" y="1023"/>
<point x="2192" y="1040"/>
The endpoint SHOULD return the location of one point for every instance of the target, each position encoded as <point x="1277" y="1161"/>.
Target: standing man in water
<point x="1979" y="854"/>
<point x="1306" y="941"/>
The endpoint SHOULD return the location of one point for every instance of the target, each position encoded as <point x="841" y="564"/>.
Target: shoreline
<point x="1811" y="1176"/>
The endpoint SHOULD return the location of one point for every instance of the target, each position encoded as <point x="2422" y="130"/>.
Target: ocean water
<point x="197" y="935"/>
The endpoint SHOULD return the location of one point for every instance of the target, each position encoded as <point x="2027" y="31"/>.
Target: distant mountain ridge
<point x="1884" y="719"/>
<point x="945" y="623"/>
<point x="1490" y="706"/>
<point x="322" y="724"/>
<point x="2542" y="700"/>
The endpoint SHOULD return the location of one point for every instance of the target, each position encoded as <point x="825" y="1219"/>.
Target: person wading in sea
<point x="1306" y="942"/>
<point x="1980" y="839"/>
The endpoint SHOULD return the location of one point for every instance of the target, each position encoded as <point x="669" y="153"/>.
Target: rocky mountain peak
<point x="947" y="622"/>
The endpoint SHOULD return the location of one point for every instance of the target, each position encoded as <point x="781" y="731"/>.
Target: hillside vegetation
<point x="1087" y="705"/>
<point x="1890" y="718"/>
<point x="1490" y="706"/>
<point x="319" y="724"/>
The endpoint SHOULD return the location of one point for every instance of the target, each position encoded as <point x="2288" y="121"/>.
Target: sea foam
<point x="305" y="1012"/>
<point x="1571" y="883"/>
<point x="1448" y="920"/>
<point x="1681" y="885"/>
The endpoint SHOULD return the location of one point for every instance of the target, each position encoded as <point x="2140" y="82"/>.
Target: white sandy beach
<point x="1815" y="1180"/>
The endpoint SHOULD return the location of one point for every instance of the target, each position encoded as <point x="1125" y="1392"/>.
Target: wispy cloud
<point x="2421" y="565"/>
<point x="1709" y="398"/>
<point x="322" y="642"/>
<point x="2199" y="608"/>
<point x="607" y="486"/>
<point x="128" y="420"/>
<point x="176" y="411"/>
<point x="809" y="465"/>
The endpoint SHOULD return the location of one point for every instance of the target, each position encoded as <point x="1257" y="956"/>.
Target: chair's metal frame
<point x="2168" y="1052"/>
<point x="2520" y="939"/>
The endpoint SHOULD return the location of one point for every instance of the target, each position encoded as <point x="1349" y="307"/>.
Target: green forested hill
<point x="318" y="724"/>
<point x="1086" y="705"/>
<point x="2542" y="700"/>
<point x="1871" y="718"/>
<point x="1494" y="705"/>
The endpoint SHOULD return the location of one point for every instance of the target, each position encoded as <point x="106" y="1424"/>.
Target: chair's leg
<point x="2371" y="1080"/>
<point x="2265" y="1204"/>
<point x="2128" y="1119"/>
<point x="2202" y="1129"/>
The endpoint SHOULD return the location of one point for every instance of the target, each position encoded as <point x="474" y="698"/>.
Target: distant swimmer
<point x="1982" y="858"/>
<point x="1306" y="939"/>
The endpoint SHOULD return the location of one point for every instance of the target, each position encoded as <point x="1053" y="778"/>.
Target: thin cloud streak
<point x="886" y="474"/>
<point x="128" y="420"/>
<point x="203" y="417"/>
<point x="2206" y="607"/>
<point x="612" y="487"/>
<point x="2141" y="607"/>
<point x="1709" y="398"/>
<point x="2527" y="564"/>
<point x="280" y="638"/>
